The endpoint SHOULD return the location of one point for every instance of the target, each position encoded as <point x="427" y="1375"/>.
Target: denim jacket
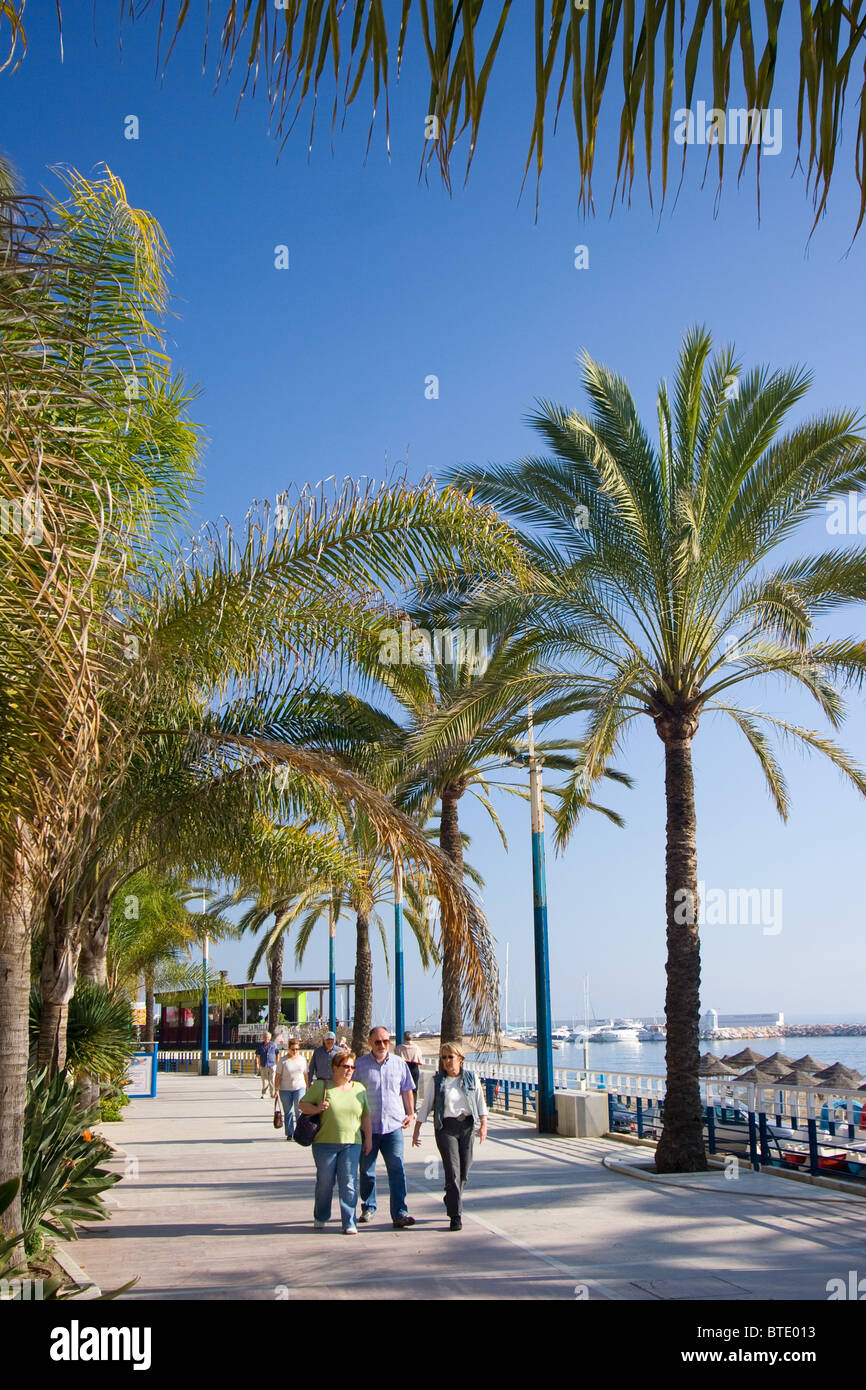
<point x="468" y="1082"/>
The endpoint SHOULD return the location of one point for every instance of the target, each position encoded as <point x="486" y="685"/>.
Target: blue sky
<point x="319" y="370"/>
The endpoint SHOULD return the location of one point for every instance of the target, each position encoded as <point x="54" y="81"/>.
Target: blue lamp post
<point x="332" y="967"/>
<point x="399" y="997"/>
<point x="205" y="1029"/>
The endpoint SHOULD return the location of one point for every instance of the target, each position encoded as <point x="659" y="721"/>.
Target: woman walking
<point x="457" y="1101"/>
<point x="344" y="1131"/>
<point x="291" y="1082"/>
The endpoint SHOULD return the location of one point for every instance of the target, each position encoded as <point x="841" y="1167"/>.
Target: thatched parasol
<point x="807" y="1063"/>
<point x="786" y="1062"/>
<point x="774" y="1069"/>
<point x="713" y="1066"/>
<point x="799" y="1078"/>
<point x="839" y="1075"/>
<point x="746" y="1058"/>
<point x="759" y="1077"/>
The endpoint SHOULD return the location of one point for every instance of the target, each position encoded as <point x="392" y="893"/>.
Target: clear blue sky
<point x="320" y="370"/>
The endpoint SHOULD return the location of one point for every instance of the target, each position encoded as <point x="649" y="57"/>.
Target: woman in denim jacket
<point x="456" y="1100"/>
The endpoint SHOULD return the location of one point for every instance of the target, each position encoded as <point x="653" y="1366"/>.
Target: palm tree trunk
<point x="57" y="981"/>
<point x="451" y="844"/>
<point x="363" y="986"/>
<point x="275" y="987"/>
<point x="94" y="944"/>
<point x="681" y="1148"/>
<point x="16" y="909"/>
<point x="93" y="965"/>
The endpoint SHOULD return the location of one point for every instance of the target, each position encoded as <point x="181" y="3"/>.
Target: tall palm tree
<point x="671" y="559"/>
<point x="428" y="667"/>
<point x="583" y="47"/>
<point x="152" y="930"/>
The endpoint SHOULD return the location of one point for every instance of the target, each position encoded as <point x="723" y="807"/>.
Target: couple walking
<point x="365" y="1110"/>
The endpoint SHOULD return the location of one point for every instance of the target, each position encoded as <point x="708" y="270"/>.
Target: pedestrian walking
<point x="323" y="1056"/>
<point x="391" y="1095"/>
<point x="291" y="1082"/>
<point x="412" y="1056"/>
<point x="266" y="1058"/>
<point x="343" y="1134"/>
<point x="456" y="1098"/>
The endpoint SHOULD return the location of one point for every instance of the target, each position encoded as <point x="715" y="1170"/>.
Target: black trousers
<point x="454" y="1142"/>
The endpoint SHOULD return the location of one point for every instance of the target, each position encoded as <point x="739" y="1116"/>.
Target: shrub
<point x="62" y="1177"/>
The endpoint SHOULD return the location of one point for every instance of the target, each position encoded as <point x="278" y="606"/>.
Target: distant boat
<point x="561" y="1034"/>
<point x="618" y="1031"/>
<point x="653" y="1032"/>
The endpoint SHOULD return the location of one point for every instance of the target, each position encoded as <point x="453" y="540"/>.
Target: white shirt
<point x="456" y="1105"/>
<point x="290" y="1073"/>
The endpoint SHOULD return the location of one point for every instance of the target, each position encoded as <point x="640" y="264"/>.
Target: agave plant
<point x="99" y="1030"/>
<point x="62" y="1178"/>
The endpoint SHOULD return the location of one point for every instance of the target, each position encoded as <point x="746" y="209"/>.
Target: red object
<point x="794" y="1160"/>
<point x="833" y="1161"/>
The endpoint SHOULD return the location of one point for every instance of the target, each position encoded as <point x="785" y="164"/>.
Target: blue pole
<point x="205" y="1032"/>
<point x="399" y="999"/>
<point x="332" y="969"/>
<point x="546" y="1102"/>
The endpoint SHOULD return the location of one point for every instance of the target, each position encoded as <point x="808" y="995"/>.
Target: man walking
<point x="266" y="1059"/>
<point x="412" y="1056"/>
<point x="391" y="1095"/>
<point x="323" y="1056"/>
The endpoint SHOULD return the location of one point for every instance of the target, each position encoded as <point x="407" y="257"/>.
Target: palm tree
<point x="671" y="561"/>
<point x="152" y="931"/>
<point x="429" y="667"/>
<point x="580" y="46"/>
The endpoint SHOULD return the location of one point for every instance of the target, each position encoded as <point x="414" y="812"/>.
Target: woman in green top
<point x="345" y="1114"/>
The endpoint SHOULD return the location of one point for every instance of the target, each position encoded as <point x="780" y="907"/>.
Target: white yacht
<point x="619" y="1030"/>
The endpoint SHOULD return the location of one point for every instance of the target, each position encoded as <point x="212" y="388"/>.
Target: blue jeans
<point x="289" y="1101"/>
<point x="390" y="1146"/>
<point x="338" y="1161"/>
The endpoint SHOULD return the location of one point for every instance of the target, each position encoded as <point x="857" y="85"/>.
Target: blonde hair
<point x="455" y="1048"/>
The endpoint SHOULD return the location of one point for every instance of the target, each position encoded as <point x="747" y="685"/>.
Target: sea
<point x="649" y="1057"/>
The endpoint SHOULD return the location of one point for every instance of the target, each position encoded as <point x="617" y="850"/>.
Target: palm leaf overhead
<point x="669" y="600"/>
<point x="604" y="59"/>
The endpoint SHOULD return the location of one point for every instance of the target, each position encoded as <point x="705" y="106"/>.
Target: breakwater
<point x="789" y="1030"/>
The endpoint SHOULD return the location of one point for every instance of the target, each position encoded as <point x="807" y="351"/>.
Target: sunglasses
<point x="345" y="1066"/>
<point x="380" y="1042"/>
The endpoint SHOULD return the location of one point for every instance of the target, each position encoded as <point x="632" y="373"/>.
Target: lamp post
<point x="332" y="967"/>
<point x="399" y="999"/>
<point x="205" y="1031"/>
<point x="544" y="1044"/>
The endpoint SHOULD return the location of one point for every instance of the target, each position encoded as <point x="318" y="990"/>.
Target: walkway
<point x="216" y="1204"/>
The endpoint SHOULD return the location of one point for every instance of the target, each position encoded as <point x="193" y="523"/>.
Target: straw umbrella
<point x="799" y="1078"/>
<point x="774" y="1069"/>
<point x="758" y="1077"/>
<point x="807" y="1063"/>
<point x="780" y="1057"/>
<point x="746" y="1058"/>
<point x="839" y="1075"/>
<point x="713" y="1066"/>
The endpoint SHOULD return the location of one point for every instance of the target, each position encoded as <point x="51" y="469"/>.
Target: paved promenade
<point x="217" y="1205"/>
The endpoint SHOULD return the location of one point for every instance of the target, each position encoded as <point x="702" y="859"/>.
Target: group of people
<point x="365" y="1104"/>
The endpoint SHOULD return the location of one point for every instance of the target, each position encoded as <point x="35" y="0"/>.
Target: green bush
<point x="99" y="1039"/>
<point x="62" y="1177"/>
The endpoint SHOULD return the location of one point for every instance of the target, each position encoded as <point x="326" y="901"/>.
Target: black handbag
<point x="307" y="1127"/>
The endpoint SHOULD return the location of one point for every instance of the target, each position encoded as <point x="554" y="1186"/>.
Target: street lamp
<point x="399" y="999"/>
<point x="205" y="1031"/>
<point x="544" y="1042"/>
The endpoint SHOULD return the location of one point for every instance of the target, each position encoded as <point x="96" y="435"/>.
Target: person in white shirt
<point x="291" y="1082"/>
<point x="456" y="1100"/>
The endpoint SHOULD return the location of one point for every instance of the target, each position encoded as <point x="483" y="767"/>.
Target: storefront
<point x="179" y="1025"/>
